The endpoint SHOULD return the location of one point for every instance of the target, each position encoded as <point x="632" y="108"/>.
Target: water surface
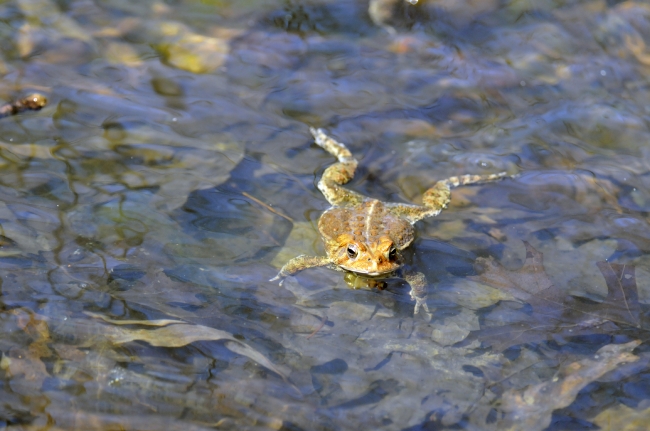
<point x="171" y="175"/>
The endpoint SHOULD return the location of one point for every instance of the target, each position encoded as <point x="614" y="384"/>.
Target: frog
<point x="365" y="236"/>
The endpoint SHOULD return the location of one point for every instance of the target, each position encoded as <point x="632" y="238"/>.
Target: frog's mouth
<point x="373" y="275"/>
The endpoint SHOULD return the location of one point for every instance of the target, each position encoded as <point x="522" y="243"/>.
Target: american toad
<point x="366" y="236"/>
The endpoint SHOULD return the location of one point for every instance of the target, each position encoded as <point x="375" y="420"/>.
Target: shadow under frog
<point x="366" y="236"/>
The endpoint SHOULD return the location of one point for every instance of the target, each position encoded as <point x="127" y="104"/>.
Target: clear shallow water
<point x="172" y="174"/>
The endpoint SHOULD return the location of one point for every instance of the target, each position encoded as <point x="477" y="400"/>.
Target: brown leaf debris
<point x="554" y="312"/>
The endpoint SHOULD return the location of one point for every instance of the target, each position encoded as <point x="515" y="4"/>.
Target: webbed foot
<point x="418" y="284"/>
<point x="421" y="303"/>
<point x="280" y="277"/>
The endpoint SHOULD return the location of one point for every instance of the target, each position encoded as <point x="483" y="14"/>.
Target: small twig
<point x="32" y="102"/>
<point x="319" y="327"/>
<point x="299" y="183"/>
<point x="273" y="210"/>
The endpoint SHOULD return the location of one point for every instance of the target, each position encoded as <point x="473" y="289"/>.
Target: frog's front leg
<point x="418" y="283"/>
<point x="438" y="196"/>
<point x="298" y="264"/>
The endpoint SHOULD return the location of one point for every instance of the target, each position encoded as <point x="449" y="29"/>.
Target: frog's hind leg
<point x="437" y="197"/>
<point x="337" y="174"/>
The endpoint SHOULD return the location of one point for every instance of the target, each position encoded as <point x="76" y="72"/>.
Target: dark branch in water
<point x="33" y="102"/>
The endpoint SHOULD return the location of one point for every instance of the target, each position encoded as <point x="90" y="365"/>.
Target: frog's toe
<point x="278" y="277"/>
<point x="421" y="303"/>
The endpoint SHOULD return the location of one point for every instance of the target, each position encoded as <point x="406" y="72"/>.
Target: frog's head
<point x="370" y="258"/>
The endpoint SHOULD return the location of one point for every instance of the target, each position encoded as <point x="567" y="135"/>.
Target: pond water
<point x="172" y="173"/>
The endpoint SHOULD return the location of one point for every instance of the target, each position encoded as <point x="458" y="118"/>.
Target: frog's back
<point x="366" y="222"/>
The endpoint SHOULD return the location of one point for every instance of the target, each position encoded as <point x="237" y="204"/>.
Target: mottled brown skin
<point x="365" y="239"/>
<point x="364" y="235"/>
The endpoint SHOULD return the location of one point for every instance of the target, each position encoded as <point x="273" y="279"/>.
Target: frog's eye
<point x="352" y="251"/>
<point x="392" y="253"/>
